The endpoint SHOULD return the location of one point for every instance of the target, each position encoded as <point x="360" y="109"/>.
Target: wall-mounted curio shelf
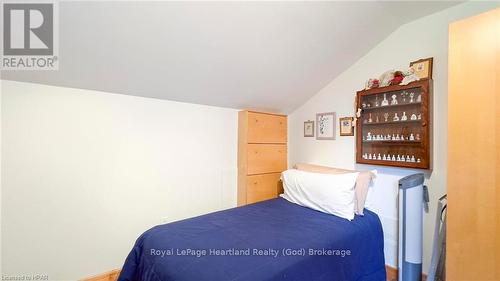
<point x="394" y="128"/>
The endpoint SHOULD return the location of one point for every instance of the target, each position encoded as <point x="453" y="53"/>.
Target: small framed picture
<point x="346" y="128"/>
<point x="325" y="126"/>
<point x="423" y="68"/>
<point x="309" y="129"/>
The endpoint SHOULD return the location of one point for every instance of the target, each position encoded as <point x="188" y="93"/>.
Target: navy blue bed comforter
<point x="270" y="240"/>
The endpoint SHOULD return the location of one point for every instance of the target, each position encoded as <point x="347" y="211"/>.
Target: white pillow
<point x="327" y="193"/>
<point x="369" y="202"/>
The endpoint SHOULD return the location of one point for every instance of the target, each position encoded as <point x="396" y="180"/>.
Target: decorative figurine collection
<point x="391" y="129"/>
<point x="394" y="137"/>
<point x="394" y="157"/>
<point x="394" y="100"/>
<point x="395" y="118"/>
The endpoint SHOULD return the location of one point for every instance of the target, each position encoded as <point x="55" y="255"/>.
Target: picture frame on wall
<point x="309" y="128"/>
<point x="325" y="126"/>
<point x="346" y="126"/>
<point x="423" y="68"/>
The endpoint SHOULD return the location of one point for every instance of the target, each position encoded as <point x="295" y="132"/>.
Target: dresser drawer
<point x="262" y="187"/>
<point x="266" y="128"/>
<point x="266" y="158"/>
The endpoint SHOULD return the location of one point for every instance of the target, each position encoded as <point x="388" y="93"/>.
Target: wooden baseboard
<point x="107" y="276"/>
<point x="392" y="274"/>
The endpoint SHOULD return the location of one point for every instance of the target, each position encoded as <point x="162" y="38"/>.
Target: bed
<point x="269" y="240"/>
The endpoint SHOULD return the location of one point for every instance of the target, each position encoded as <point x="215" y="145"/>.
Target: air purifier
<point x="411" y="199"/>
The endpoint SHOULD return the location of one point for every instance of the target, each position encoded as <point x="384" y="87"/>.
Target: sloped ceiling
<point x="265" y="55"/>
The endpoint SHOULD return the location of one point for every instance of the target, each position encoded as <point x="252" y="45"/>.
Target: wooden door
<point x="473" y="238"/>
<point x="266" y="128"/>
<point x="266" y="158"/>
<point x="262" y="187"/>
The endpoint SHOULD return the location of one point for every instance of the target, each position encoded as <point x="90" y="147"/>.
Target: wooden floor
<point x="392" y="274"/>
<point x="107" y="276"/>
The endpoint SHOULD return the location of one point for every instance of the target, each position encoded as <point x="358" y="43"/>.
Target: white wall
<point x="426" y="37"/>
<point x="86" y="172"/>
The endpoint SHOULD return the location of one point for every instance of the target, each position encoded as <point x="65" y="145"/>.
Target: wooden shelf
<point x="420" y="149"/>
<point x="391" y="106"/>
<point x="393" y="163"/>
<point x="392" y="122"/>
<point x="391" y="142"/>
<point x="394" y="88"/>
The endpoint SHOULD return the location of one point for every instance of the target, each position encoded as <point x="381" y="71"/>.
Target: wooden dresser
<point x="262" y="155"/>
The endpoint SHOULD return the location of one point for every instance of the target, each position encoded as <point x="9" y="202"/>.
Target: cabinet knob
<point x="424" y="124"/>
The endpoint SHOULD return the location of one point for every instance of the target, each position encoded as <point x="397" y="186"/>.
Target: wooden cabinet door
<point x="473" y="230"/>
<point x="266" y="158"/>
<point x="266" y="128"/>
<point x="262" y="187"/>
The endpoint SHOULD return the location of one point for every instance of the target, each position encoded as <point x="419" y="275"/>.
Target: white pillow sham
<point x="327" y="193"/>
<point x="370" y="197"/>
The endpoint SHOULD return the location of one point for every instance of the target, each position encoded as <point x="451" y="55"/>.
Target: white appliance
<point x="411" y="199"/>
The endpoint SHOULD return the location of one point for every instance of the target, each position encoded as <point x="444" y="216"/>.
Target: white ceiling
<point x="265" y="55"/>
